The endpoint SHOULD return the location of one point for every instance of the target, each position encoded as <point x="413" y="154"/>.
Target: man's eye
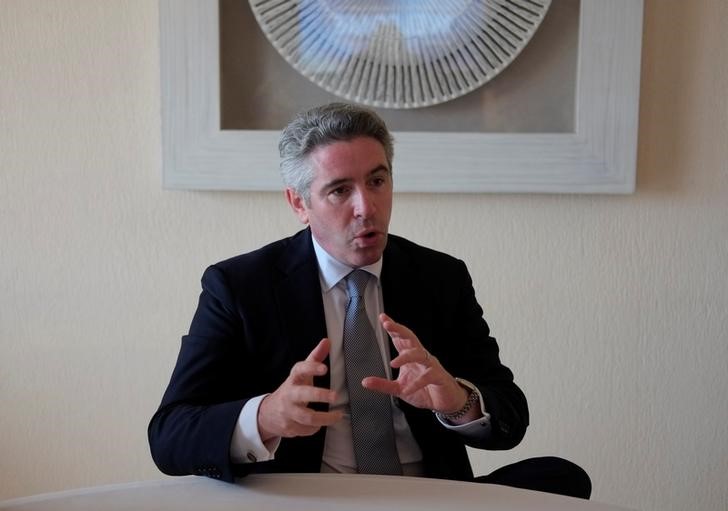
<point x="339" y="192"/>
<point x="378" y="181"/>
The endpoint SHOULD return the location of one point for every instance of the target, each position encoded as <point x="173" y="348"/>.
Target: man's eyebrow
<point x="379" y="168"/>
<point x="346" y="180"/>
<point x="336" y="183"/>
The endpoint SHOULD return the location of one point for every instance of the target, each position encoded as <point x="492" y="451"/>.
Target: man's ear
<point x="298" y="205"/>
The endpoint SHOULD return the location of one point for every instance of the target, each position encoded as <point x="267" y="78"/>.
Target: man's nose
<point x="364" y="204"/>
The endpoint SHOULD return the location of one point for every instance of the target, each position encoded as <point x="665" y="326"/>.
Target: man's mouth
<point x="368" y="235"/>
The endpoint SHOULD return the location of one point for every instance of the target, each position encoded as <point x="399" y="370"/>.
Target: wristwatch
<point x="473" y="398"/>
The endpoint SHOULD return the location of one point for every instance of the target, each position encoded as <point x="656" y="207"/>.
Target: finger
<point x="429" y="377"/>
<point x="294" y="429"/>
<point x="321" y="351"/>
<point x="304" y="394"/>
<point x="309" y="422"/>
<point x="383" y="385"/>
<point x="298" y="430"/>
<point x="413" y="355"/>
<point x="303" y="372"/>
<point x="402" y="337"/>
<point x="278" y="416"/>
<point x="307" y="417"/>
<point x="390" y="325"/>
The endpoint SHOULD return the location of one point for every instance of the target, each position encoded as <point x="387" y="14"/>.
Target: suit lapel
<point x="400" y="290"/>
<point x="395" y="275"/>
<point x="298" y="298"/>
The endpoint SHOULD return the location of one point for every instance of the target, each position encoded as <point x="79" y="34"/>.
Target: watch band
<point x="473" y="398"/>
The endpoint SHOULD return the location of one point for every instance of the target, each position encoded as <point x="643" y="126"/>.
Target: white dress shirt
<point x="338" y="456"/>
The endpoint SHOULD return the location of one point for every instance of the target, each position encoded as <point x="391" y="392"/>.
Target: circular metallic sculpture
<point x="399" y="53"/>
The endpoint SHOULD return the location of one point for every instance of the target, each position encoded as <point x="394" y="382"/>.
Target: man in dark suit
<point x="261" y="382"/>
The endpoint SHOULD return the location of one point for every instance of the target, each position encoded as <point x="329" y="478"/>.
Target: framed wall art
<point x="562" y="118"/>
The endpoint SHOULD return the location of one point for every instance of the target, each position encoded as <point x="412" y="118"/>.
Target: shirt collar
<point x="332" y="270"/>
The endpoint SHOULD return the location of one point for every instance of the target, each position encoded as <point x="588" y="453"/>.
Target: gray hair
<point x="321" y="126"/>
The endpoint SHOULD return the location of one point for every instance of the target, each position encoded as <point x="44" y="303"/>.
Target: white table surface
<point x="302" y="492"/>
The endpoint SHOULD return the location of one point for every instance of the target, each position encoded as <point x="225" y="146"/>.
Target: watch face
<point x="399" y="53"/>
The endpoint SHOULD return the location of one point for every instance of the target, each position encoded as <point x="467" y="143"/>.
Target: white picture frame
<point x="599" y="156"/>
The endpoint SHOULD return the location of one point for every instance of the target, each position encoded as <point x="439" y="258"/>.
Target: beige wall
<point x="612" y="311"/>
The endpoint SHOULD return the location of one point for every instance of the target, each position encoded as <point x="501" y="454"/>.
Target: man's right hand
<point x="285" y="412"/>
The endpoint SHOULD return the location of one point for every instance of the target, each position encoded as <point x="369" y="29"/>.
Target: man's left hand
<point x="422" y="381"/>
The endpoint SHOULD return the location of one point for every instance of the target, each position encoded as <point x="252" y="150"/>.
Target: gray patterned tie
<point x="371" y="412"/>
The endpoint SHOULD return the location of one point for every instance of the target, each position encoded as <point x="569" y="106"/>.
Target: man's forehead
<point x="342" y="145"/>
<point x="349" y="159"/>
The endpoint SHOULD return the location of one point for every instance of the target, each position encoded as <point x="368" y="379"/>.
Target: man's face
<point x="351" y="200"/>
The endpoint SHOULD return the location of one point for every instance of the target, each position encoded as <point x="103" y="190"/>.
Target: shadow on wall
<point x="669" y="48"/>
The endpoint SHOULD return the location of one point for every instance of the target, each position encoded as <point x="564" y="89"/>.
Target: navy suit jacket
<point x="260" y="313"/>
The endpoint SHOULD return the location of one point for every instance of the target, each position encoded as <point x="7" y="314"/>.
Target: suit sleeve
<point x="470" y="352"/>
<point x="191" y="431"/>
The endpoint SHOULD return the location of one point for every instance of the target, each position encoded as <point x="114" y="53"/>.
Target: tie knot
<point x="356" y="283"/>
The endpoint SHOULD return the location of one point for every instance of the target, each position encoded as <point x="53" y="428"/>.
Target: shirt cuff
<point x="246" y="445"/>
<point x="479" y="428"/>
